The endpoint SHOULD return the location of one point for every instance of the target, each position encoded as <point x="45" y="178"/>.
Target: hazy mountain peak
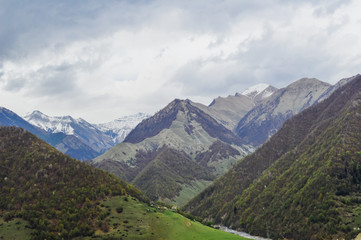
<point x="307" y="83"/>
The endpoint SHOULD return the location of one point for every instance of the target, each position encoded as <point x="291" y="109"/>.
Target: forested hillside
<point x="58" y="196"/>
<point x="304" y="183"/>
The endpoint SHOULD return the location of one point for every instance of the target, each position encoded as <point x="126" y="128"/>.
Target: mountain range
<point x="303" y="183"/>
<point x="208" y="139"/>
<point x="153" y="151"/>
<point x="75" y="137"/>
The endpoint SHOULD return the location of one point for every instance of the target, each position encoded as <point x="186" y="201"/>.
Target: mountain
<point x="228" y="111"/>
<point x="88" y="140"/>
<point x="57" y="195"/>
<point x="266" y="118"/>
<point x="303" y="183"/>
<point x="121" y="127"/>
<point x="68" y="144"/>
<point x="9" y="118"/>
<point x="45" y="194"/>
<point x="85" y="132"/>
<point x="180" y="142"/>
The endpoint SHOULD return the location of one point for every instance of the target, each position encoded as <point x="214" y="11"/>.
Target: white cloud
<point x="101" y="60"/>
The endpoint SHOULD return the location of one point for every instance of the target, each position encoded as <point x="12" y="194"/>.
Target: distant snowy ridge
<point x="121" y="127"/>
<point x="117" y="130"/>
<point x="53" y="124"/>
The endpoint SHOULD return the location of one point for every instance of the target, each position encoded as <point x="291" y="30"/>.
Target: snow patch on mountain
<point x="255" y="90"/>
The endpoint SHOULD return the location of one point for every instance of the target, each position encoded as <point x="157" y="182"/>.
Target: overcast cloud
<point x="100" y="60"/>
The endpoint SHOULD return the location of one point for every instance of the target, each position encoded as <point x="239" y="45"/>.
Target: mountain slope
<point x="56" y="194"/>
<point x="265" y="119"/>
<point x="164" y="176"/>
<point x="190" y="133"/>
<point x="301" y="184"/>
<point x="229" y="110"/>
<point x="333" y="88"/>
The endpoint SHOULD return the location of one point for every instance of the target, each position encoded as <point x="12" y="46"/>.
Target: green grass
<point x="14" y="229"/>
<point x="133" y="220"/>
<point x="139" y="221"/>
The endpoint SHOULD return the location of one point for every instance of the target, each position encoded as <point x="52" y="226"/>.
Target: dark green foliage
<point x="304" y="183"/>
<point x="119" y="209"/>
<point x="56" y="194"/>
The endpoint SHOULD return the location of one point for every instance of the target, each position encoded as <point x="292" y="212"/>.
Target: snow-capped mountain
<point x="68" y="144"/>
<point x="62" y="124"/>
<point x="121" y="127"/>
<point x="84" y="131"/>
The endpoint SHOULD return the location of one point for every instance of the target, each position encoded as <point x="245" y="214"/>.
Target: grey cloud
<point x="15" y="84"/>
<point x="49" y="81"/>
<point x="223" y="78"/>
<point x="38" y="24"/>
<point x="35" y="25"/>
<point x="54" y="81"/>
<point x="268" y="59"/>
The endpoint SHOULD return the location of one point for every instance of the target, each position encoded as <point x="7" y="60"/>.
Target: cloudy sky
<point x="100" y="60"/>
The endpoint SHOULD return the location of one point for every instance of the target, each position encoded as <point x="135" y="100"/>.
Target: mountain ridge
<point x="303" y="183"/>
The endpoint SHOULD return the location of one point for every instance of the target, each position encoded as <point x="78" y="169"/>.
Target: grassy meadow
<point x="130" y="219"/>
